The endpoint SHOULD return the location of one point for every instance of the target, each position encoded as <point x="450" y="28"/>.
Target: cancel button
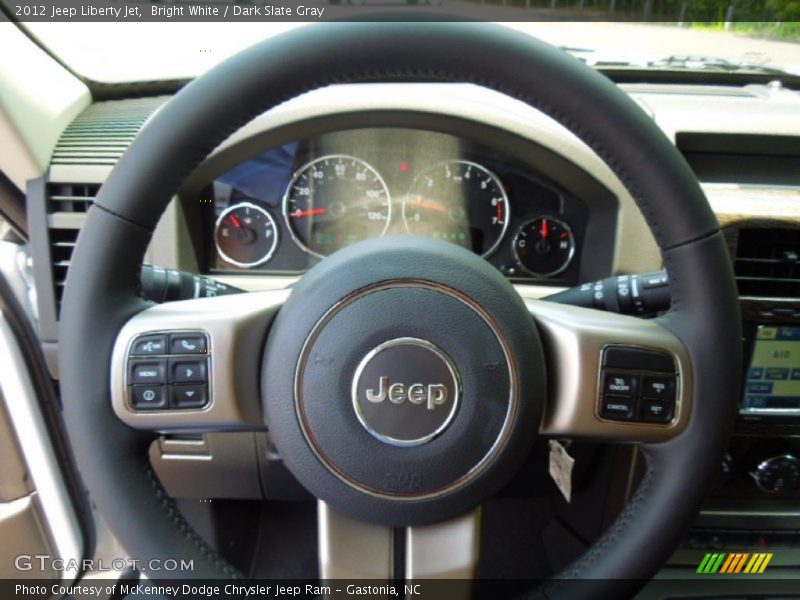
<point x="619" y="409"/>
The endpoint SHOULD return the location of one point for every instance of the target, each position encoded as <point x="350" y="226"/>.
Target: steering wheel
<point x="403" y="380"/>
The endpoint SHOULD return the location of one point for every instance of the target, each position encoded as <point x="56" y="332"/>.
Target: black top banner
<point x="407" y="10"/>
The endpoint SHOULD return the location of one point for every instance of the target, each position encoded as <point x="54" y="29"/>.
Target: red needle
<point x="544" y="228"/>
<point x="236" y="221"/>
<point x="310" y="212"/>
<point x="430" y="205"/>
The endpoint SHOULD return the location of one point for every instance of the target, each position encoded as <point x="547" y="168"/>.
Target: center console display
<point x="773" y="376"/>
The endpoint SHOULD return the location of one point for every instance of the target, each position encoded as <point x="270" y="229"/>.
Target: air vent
<point x="62" y="243"/>
<point x="768" y="262"/>
<point x="102" y="133"/>
<point x="70" y="197"/>
<point x="97" y="138"/>
<point x="66" y="205"/>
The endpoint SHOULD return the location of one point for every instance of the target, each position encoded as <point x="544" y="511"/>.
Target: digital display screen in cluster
<point x="773" y="378"/>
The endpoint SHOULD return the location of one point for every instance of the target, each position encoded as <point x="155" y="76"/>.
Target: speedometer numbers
<point x="460" y="202"/>
<point x="544" y="246"/>
<point x="335" y="201"/>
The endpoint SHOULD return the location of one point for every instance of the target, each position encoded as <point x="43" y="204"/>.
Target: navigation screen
<point x="773" y="379"/>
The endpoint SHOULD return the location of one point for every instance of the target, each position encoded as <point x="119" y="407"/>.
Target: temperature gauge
<point x="245" y="235"/>
<point x="544" y="246"/>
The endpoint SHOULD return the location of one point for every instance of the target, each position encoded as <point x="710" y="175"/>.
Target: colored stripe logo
<point x="734" y="562"/>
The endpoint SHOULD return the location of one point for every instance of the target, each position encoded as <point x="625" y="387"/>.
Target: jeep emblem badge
<point x="406" y="391"/>
<point x="432" y="395"/>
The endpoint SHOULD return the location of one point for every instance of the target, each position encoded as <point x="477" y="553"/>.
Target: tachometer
<point x="458" y="201"/>
<point x="245" y="235"/>
<point x="335" y="201"/>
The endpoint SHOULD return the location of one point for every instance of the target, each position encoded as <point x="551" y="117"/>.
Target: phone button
<point x="187" y="343"/>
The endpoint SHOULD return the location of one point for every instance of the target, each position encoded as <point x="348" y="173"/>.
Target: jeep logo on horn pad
<point x="406" y="391"/>
<point x="432" y="395"/>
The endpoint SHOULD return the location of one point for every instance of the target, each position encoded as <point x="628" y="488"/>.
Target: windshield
<point x="125" y="52"/>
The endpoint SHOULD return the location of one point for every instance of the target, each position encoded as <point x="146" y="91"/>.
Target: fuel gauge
<point x="544" y="246"/>
<point x="245" y="235"/>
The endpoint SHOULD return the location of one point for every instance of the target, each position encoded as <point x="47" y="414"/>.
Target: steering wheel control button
<point x="148" y="397"/>
<point x="656" y="411"/>
<point x="187" y="370"/>
<point x="619" y="384"/>
<point x="150" y="345"/>
<point x="619" y="409"/>
<point x="160" y="380"/>
<point x="647" y="377"/>
<point x="188" y="396"/>
<point x="187" y="343"/>
<point x="620" y="357"/>
<point x="406" y="392"/>
<point x="148" y="371"/>
<point x="658" y="388"/>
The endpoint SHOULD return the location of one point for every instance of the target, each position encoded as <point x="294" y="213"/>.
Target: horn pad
<point x="403" y="380"/>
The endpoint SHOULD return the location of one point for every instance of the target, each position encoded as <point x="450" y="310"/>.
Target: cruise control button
<point x="187" y="371"/>
<point x="656" y="411"/>
<point x="658" y="388"/>
<point x="149" y="345"/>
<point x="620" y="409"/>
<point x="148" y="371"/>
<point x="188" y="396"/>
<point x="185" y="343"/>
<point x="148" y="397"/>
<point x="619" y="384"/>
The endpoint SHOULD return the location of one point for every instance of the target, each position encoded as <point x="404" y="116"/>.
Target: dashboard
<point x="283" y="208"/>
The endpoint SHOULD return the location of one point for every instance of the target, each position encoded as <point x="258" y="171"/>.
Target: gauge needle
<point x="430" y="205"/>
<point x="544" y="228"/>
<point x="236" y="221"/>
<point x="310" y="212"/>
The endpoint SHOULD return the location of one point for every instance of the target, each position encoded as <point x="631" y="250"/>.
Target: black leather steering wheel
<point x="102" y="296"/>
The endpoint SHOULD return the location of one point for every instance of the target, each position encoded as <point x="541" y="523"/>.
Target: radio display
<point x="773" y="377"/>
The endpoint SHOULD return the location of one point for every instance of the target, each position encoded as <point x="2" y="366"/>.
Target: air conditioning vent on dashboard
<point x="58" y="203"/>
<point x="70" y="197"/>
<point x="67" y="204"/>
<point x="767" y="262"/>
<point x="62" y="243"/>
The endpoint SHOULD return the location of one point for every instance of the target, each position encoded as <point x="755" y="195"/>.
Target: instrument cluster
<point x="289" y="207"/>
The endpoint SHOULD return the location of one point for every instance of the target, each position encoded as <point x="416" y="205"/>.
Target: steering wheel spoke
<point x="356" y="550"/>
<point x="193" y="365"/>
<point x="612" y="376"/>
<point x="447" y="550"/>
<point x="353" y="549"/>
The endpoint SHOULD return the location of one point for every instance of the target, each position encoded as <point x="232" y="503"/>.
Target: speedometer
<point x="335" y="201"/>
<point x="458" y="201"/>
